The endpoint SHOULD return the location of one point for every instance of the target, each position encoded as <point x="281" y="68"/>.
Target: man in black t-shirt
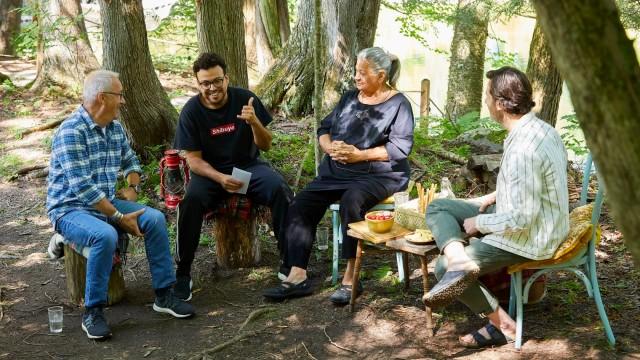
<point x="221" y="128"/>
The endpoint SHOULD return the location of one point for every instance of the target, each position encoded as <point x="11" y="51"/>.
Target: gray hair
<point x="96" y="82"/>
<point x="382" y="60"/>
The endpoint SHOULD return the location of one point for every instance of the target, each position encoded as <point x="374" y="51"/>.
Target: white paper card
<point x="243" y="176"/>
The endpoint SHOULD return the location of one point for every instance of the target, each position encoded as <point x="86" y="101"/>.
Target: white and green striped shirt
<point x="532" y="202"/>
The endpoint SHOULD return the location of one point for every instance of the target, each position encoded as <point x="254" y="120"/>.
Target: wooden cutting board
<point x="362" y="229"/>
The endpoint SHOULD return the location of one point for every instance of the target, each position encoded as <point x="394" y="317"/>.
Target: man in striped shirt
<point x="525" y="219"/>
<point x="87" y="152"/>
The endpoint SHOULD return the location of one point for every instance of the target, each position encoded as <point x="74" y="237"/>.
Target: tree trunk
<point x="466" y="68"/>
<point x="148" y="116"/>
<point x="66" y="55"/>
<point x="9" y="24"/>
<point x="597" y="60"/>
<point x="249" y="12"/>
<point x="290" y="79"/>
<point x="220" y="29"/>
<point x="75" y="267"/>
<point x="272" y="31"/>
<point x="237" y="244"/>
<point x="545" y="78"/>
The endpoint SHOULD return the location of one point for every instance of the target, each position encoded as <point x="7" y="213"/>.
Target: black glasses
<point x="120" y="95"/>
<point x="217" y="82"/>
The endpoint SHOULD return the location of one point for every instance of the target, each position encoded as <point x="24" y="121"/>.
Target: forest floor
<point x="388" y="323"/>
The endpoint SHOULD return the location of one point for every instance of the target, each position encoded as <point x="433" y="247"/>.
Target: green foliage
<point x="498" y="58"/>
<point x="206" y="239"/>
<point x="572" y="135"/>
<point x="629" y="13"/>
<point x="286" y="153"/>
<point x="26" y="41"/>
<point x="9" y="164"/>
<point x="46" y="142"/>
<point x="418" y="16"/>
<point x="292" y="8"/>
<point x="173" y="63"/>
<point x="181" y="17"/>
<point x="382" y="272"/>
<point x="450" y="129"/>
<point x="8" y="88"/>
<point x="175" y="41"/>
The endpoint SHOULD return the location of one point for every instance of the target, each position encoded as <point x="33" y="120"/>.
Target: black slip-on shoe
<point x="342" y="296"/>
<point x="288" y="290"/>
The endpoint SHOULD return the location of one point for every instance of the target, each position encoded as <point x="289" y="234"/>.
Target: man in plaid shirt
<point x="88" y="151"/>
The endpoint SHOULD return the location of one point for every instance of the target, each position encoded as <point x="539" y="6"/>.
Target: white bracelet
<point x="116" y="217"/>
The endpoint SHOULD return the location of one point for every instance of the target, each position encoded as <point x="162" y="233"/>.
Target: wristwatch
<point x="135" y="188"/>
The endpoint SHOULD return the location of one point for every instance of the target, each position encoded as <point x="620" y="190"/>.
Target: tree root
<point x="239" y="337"/>
<point x="254" y="314"/>
<point x="28" y="169"/>
<point x="46" y="126"/>
<point x="335" y="344"/>
<point x="203" y="354"/>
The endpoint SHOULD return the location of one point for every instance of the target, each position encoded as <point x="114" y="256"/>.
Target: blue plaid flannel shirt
<point x="85" y="163"/>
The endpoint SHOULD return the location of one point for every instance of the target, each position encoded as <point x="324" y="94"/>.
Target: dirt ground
<point x="387" y="324"/>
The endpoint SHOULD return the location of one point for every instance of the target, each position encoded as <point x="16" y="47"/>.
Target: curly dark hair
<point x="209" y="60"/>
<point x="511" y="89"/>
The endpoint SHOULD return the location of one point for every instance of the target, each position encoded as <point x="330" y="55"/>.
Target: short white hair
<point x="96" y="82"/>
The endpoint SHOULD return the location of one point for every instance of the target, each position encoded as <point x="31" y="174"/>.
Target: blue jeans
<point x="85" y="229"/>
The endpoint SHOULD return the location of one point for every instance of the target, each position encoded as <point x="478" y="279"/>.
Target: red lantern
<point x="174" y="177"/>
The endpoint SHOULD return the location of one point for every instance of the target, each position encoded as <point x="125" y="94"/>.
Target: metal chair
<point x="583" y="265"/>
<point x="337" y="240"/>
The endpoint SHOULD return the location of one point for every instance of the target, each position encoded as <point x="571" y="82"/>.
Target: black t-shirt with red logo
<point x="225" y="140"/>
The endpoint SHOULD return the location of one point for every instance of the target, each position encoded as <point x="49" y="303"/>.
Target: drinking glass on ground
<point x="400" y="198"/>
<point x="322" y="238"/>
<point x="55" y="319"/>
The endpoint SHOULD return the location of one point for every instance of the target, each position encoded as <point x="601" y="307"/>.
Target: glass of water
<point x="400" y="198"/>
<point x="55" y="319"/>
<point x="322" y="237"/>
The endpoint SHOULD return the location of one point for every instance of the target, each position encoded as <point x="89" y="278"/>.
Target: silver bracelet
<point x="116" y="217"/>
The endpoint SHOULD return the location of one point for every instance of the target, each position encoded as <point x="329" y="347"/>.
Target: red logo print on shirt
<point x="223" y="129"/>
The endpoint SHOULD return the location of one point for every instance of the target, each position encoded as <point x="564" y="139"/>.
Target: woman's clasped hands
<point x="345" y="153"/>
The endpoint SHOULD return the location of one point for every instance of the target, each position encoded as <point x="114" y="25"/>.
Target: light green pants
<point x="445" y="219"/>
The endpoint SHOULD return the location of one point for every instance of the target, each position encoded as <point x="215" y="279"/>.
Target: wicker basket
<point x="407" y="216"/>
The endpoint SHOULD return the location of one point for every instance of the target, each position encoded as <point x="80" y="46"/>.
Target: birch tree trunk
<point x="220" y="29"/>
<point x="65" y="56"/>
<point x="466" y="68"/>
<point x="597" y="60"/>
<point x="9" y="24"/>
<point x="348" y="26"/>
<point x="545" y="78"/>
<point x="148" y="116"/>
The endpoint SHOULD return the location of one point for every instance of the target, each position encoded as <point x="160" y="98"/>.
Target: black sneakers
<point x="94" y="324"/>
<point x="172" y="305"/>
<point x="182" y="288"/>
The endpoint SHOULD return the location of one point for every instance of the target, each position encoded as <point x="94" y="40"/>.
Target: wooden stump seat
<point x="75" y="266"/>
<point x="237" y="243"/>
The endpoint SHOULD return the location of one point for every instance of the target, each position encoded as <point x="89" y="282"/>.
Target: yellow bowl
<point x="379" y="225"/>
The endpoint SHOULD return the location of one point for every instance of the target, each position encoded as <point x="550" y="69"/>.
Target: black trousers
<point x="307" y="209"/>
<point x="267" y="187"/>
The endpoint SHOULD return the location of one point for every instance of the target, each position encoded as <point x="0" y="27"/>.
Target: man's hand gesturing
<point x="248" y="113"/>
